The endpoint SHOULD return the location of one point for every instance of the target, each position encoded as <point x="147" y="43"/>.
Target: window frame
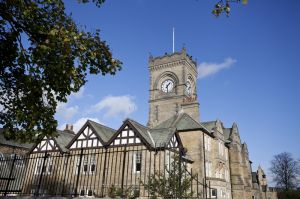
<point x="137" y="160"/>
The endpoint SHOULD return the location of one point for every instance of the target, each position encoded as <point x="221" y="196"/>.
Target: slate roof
<point x="154" y="137"/>
<point x="227" y="133"/>
<point x="181" y="122"/>
<point x="162" y="133"/>
<point x="4" y="141"/>
<point x="63" y="139"/>
<point x="162" y="137"/>
<point x="143" y="131"/>
<point x="104" y="132"/>
<point x="210" y="125"/>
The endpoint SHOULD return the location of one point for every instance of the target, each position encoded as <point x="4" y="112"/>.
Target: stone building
<point x="9" y="147"/>
<point x="98" y="159"/>
<point x="224" y="162"/>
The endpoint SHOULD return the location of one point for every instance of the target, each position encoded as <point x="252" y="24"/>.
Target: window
<point x="207" y="143"/>
<point x="93" y="163"/>
<point x="89" y="192"/>
<point x="226" y="175"/>
<point x="221" y="149"/>
<point x="44" y="166"/>
<point x="208" y="167"/>
<point x="222" y="175"/>
<point x="137" y="161"/>
<point x="82" y="192"/>
<point x="85" y="192"/>
<point x="85" y="164"/>
<point x="223" y="194"/>
<point x="213" y="193"/>
<point x="88" y="165"/>
<point x="217" y="173"/>
<point x="19" y="161"/>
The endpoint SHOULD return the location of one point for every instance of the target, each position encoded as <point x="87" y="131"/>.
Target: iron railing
<point x="116" y="171"/>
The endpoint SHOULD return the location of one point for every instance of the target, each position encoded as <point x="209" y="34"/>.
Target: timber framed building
<point x="99" y="161"/>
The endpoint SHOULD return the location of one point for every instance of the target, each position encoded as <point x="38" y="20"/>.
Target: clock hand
<point x="168" y="86"/>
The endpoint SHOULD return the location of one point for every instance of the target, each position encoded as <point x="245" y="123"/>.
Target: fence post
<point x="41" y="173"/>
<point x="180" y="172"/>
<point x="197" y="186"/>
<point x="192" y="178"/>
<point x="123" y="171"/>
<point x="65" y="162"/>
<point x="78" y="173"/>
<point x="103" y="174"/>
<point x="10" y="174"/>
<point x="209" y="188"/>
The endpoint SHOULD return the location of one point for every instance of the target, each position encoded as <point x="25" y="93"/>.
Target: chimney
<point x="69" y="127"/>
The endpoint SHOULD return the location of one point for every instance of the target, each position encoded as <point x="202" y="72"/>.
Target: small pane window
<point x="93" y="163"/>
<point x="85" y="164"/>
<point x="138" y="161"/>
<point x="214" y="192"/>
<point x="93" y="167"/>
<point x="82" y="192"/>
<point x="85" y="168"/>
<point x="90" y="192"/>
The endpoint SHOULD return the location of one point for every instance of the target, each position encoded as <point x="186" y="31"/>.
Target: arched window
<point x="19" y="160"/>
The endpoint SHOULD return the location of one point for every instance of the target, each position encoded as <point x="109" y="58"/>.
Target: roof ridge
<point x="133" y="121"/>
<point x="101" y="125"/>
<point x="212" y="121"/>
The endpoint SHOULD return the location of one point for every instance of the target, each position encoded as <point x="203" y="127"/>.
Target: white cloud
<point x="65" y="111"/>
<point x="79" y="123"/>
<point x="115" y="105"/>
<point x="79" y="94"/>
<point x="206" y="69"/>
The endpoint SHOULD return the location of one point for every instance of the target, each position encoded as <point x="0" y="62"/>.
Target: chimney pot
<point x="69" y="127"/>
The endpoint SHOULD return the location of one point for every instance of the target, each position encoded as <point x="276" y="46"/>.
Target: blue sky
<point x="250" y="65"/>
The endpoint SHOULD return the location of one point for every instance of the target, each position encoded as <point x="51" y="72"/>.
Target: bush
<point x="291" y="194"/>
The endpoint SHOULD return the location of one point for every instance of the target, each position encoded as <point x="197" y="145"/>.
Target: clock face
<point x="167" y="86"/>
<point x="188" y="88"/>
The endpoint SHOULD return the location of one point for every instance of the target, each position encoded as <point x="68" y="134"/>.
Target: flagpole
<point x="173" y="40"/>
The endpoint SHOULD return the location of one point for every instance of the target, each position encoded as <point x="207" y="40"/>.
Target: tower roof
<point x="167" y="58"/>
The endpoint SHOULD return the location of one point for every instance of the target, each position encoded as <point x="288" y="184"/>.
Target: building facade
<point x="99" y="161"/>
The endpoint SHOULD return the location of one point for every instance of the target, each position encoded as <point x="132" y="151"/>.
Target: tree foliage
<point x="285" y="170"/>
<point x="223" y="6"/>
<point x="294" y="194"/>
<point x="44" y="57"/>
<point x="174" y="182"/>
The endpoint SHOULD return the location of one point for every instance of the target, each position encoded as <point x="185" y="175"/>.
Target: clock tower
<point x="172" y="87"/>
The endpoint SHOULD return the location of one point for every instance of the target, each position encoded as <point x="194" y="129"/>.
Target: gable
<point x="173" y="143"/>
<point x="46" y="144"/>
<point x="87" y="138"/>
<point x="126" y="136"/>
